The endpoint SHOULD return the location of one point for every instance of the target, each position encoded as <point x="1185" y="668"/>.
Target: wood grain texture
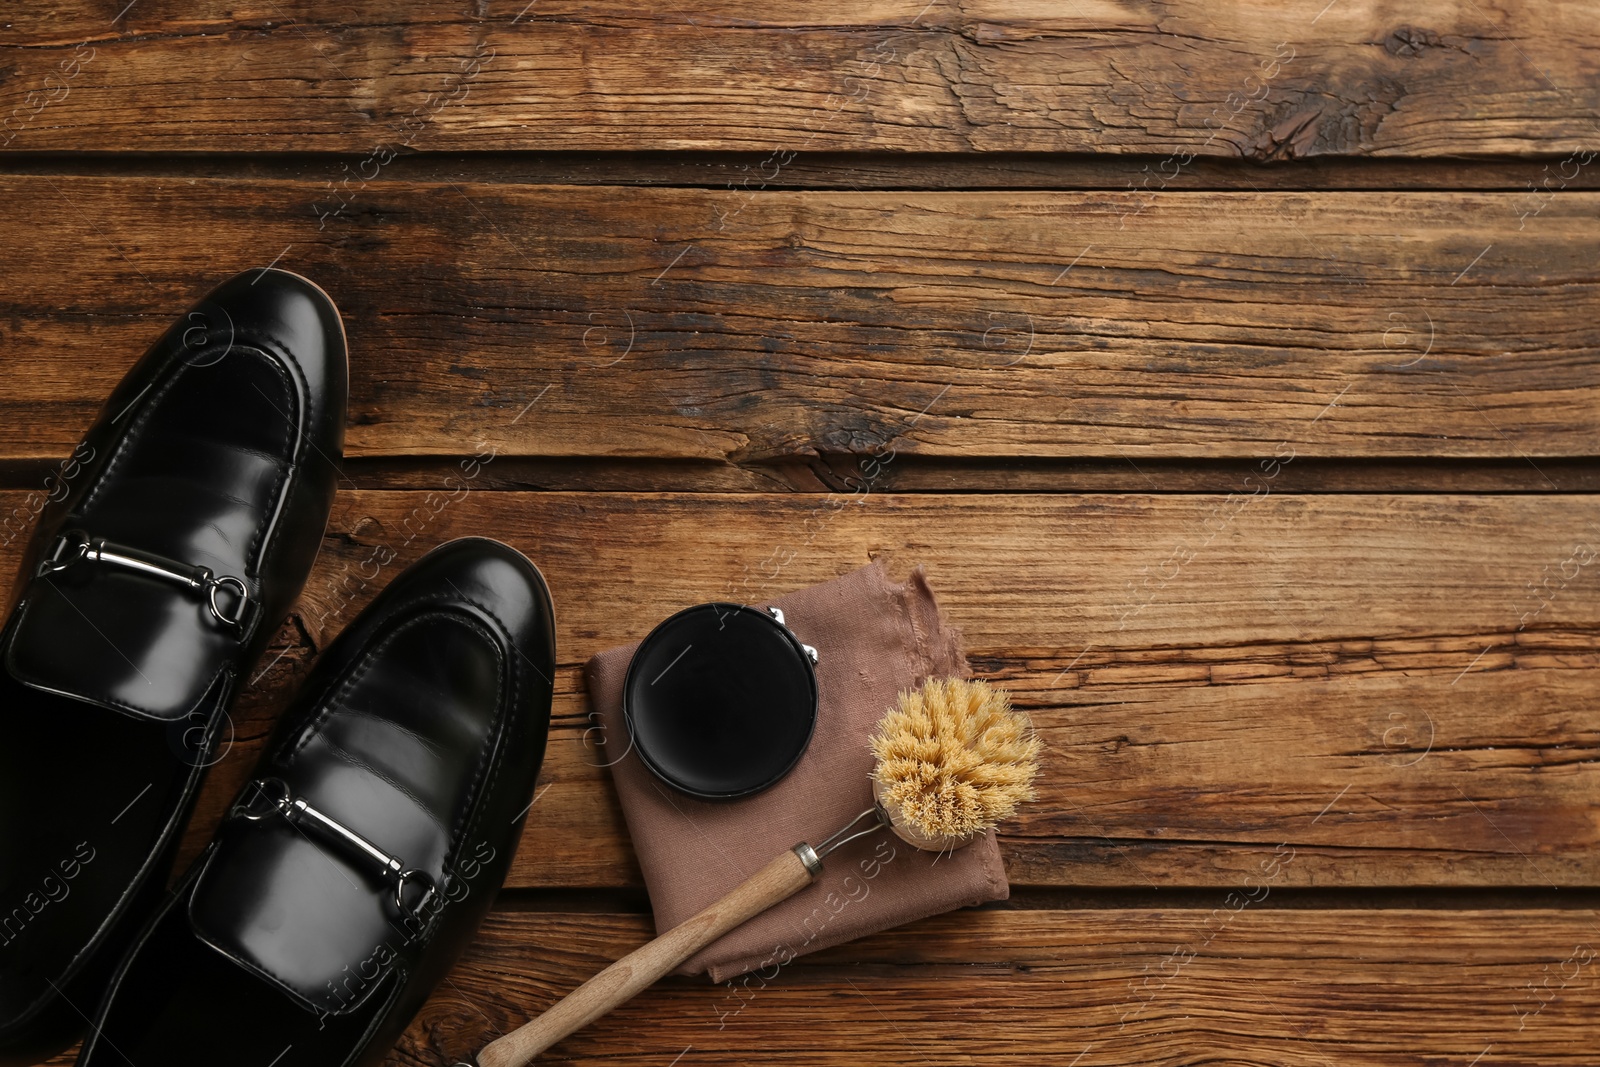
<point x="1365" y="679"/>
<point x="576" y="323"/>
<point x="784" y="876"/>
<point x="1261" y="81"/>
<point x="1232" y="984"/>
<point x="1230" y="368"/>
<point x="1238" y="983"/>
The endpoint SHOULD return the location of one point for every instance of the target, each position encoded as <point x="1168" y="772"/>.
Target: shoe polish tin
<point x="721" y="700"/>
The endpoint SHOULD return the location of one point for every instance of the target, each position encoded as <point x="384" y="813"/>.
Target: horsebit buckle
<point x="231" y="610"/>
<point x="272" y="796"/>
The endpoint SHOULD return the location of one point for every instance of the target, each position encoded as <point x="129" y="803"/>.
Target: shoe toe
<point x="285" y="312"/>
<point x="502" y="582"/>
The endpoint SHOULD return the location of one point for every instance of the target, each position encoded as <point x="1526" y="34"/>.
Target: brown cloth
<point x="874" y="638"/>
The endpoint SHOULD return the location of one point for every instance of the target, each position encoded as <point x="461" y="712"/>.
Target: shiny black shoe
<point x="355" y="867"/>
<point x="175" y="541"/>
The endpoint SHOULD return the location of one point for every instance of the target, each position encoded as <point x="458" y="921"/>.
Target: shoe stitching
<point x="401" y="975"/>
<point x="470" y="811"/>
<point x="492" y="743"/>
<point x="299" y="426"/>
<point x="149" y="405"/>
<point x="338" y="690"/>
<point x="353" y="760"/>
<point x="422" y="740"/>
<point x="471" y="814"/>
<point x="134" y="431"/>
<point x="332" y="703"/>
<point x="122" y="450"/>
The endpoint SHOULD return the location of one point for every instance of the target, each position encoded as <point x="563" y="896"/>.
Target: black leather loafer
<point x="358" y="862"/>
<point x="191" y="516"/>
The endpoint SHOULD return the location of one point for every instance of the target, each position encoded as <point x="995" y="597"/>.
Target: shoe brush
<point x="953" y="759"/>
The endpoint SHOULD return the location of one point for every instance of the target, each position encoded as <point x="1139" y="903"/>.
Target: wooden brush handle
<point x="638" y="970"/>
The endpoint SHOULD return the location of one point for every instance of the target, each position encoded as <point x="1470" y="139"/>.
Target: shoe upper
<point x="377" y="828"/>
<point x="191" y="516"/>
<point x="402" y="737"/>
<point x="217" y="451"/>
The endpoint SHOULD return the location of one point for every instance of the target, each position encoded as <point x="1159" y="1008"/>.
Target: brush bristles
<point x="954" y="758"/>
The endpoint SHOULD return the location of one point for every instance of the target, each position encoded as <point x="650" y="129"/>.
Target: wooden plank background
<point x="1231" y="371"/>
<point x="1103" y="987"/>
<point x="977" y="326"/>
<point x="1262" y="81"/>
<point x="1192" y="724"/>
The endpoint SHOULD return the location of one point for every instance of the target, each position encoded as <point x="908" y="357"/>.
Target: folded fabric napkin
<point x="874" y="638"/>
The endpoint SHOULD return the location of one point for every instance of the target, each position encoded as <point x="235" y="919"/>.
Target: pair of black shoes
<point x="357" y="863"/>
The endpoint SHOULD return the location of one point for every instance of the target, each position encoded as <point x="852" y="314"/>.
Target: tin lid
<point x="721" y="700"/>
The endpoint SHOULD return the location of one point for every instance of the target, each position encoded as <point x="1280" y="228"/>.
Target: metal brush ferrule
<point x="809" y="857"/>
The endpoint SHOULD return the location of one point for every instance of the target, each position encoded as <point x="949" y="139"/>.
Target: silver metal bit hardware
<point x="272" y="796"/>
<point x="233" y="609"/>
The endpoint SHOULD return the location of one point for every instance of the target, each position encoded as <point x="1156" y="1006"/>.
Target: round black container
<point x="720" y="700"/>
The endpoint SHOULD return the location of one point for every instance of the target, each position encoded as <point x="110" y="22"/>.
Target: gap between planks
<point x="842" y="474"/>
<point x="879" y="171"/>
